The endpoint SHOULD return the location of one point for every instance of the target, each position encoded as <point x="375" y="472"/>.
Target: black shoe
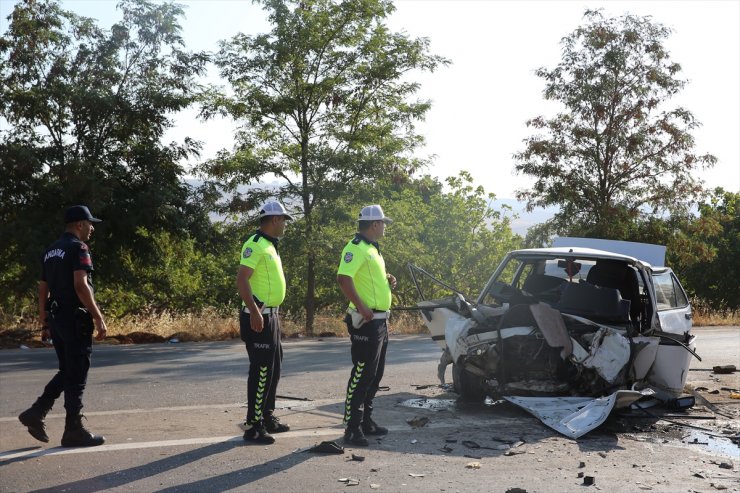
<point x="76" y="435"/>
<point x="370" y="427"/>
<point x="33" y="419"/>
<point x="355" y="436"/>
<point x="273" y="425"/>
<point x="258" y="434"/>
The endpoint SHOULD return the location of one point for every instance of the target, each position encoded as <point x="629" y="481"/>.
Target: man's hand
<point x="101" y="328"/>
<point x="45" y="334"/>
<point x="366" y="313"/>
<point x="391" y="280"/>
<point x="256" y="321"/>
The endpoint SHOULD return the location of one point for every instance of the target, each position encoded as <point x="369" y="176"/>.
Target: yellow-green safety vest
<point x="365" y="265"/>
<point x="267" y="281"/>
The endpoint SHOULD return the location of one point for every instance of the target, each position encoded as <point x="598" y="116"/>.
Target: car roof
<point x="647" y="253"/>
<point x="574" y="252"/>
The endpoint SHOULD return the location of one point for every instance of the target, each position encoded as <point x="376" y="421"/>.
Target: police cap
<point x="79" y="213"/>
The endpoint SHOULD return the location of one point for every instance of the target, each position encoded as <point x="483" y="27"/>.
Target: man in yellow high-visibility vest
<point x="261" y="285"/>
<point x="364" y="282"/>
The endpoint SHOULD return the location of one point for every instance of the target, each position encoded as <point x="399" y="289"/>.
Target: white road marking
<point x="280" y="404"/>
<point x="335" y="431"/>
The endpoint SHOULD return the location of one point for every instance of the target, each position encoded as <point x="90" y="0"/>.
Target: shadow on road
<point x="241" y="477"/>
<point x="132" y="474"/>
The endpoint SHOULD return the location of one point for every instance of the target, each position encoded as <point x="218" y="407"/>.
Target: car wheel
<point x="467" y="385"/>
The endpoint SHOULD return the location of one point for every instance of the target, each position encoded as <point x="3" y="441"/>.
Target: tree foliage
<point x="451" y="232"/>
<point x="324" y="103"/>
<point x="714" y="278"/>
<point x="616" y="153"/>
<point x="84" y="111"/>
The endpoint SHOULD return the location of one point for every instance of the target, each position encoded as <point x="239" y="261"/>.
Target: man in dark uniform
<point x="261" y="284"/>
<point x="68" y="314"/>
<point x="365" y="283"/>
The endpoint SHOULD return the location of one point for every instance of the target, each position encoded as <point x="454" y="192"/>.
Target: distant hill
<point x="519" y="225"/>
<point x="526" y="219"/>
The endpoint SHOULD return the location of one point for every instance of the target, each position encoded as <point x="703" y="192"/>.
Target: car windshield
<point x="539" y="276"/>
<point x="604" y="289"/>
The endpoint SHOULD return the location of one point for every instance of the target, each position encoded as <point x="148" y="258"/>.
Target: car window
<point x="668" y="292"/>
<point x="504" y="286"/>
<point x="681" y="299"/>
<point x="510" y="271"/>
<point x="524" y="273"/>
<point x="559" y="267"/>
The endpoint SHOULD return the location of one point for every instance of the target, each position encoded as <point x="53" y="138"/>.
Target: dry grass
<point x="209" y="325"/>
<point x="212" y="326"/>
<point x="333" y="325"/>
<point x="704" y="316"/>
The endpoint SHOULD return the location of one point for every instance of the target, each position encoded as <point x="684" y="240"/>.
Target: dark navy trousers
<point x="265" y="359"/>
<point x="74" y="352"/>
<point x="369" y="345"/>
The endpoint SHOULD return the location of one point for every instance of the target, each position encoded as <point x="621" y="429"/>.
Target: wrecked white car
<point x="568" y="333"/>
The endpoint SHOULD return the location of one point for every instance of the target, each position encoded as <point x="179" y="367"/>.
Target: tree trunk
<point x="310" y="302"/>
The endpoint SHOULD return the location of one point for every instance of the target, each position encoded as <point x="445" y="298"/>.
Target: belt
<point x="377" y="314"/>
<point x="267" y="310"/>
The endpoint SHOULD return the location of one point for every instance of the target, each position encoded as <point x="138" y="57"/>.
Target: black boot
<point x="258" y="434"/>
<point x="273" y="424"/>
<point x="370" y="427"/>
<point x="76" y="435"/>
<point x="355" y="436"/>
<point x="33" y="419"/>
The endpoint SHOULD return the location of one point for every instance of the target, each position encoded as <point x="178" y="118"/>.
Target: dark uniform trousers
<point x="73" y="349"/>
<point x="369" y="345"/>
<point x="265" y="359"/>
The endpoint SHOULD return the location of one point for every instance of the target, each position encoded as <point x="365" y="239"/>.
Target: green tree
<point x="324" y="103"/>
<point x="84" y="111"/>
<point x="714" y="278"/>
<point x="453" y="234"/>
<point x="616" y="152"/>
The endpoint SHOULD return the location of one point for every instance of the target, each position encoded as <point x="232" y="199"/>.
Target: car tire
<point x="468" y="386"/>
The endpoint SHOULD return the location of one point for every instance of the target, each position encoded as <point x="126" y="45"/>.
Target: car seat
<point x="618" y="275"/>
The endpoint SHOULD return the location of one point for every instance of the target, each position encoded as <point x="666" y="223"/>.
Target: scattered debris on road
<point x="291" y="398"/>
<point x="418" y="421"/>
<point x="511" y="452"/>
<point x="327" y="447"/>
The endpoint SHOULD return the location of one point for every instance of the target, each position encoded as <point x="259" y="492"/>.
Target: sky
<point x="482" y="101"/>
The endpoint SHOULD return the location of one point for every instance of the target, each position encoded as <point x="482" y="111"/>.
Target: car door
<point x="674" y="309"/>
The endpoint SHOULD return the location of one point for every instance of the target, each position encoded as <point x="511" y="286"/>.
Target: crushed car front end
<point x="568" y="322"/>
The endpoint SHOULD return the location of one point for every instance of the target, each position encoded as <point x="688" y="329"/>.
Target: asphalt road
<point x="170" y="413"/>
